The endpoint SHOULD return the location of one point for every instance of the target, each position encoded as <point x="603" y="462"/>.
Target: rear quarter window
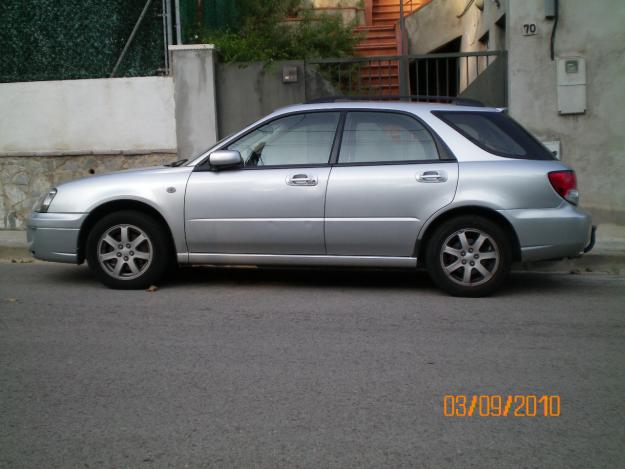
<point x="496" y="133"/>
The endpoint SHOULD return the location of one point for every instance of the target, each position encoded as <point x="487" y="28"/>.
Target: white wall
<point x="87" y="116"/>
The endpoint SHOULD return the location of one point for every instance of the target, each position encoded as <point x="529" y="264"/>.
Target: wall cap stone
<point x="192" y="47"/>
<point x="88" y="152"/>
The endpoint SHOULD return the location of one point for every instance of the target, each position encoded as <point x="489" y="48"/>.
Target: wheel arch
<point x="115" y="206"/>
<point x="474" y="210"/>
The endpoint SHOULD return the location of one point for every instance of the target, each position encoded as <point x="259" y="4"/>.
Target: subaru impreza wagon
<point x="463" y="191"/>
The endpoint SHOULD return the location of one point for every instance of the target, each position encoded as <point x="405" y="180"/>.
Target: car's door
<point x="274" y="203"/>
<point x="389" y="178"/>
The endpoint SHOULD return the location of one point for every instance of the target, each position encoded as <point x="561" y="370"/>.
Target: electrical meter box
<point x="571" y="85"/>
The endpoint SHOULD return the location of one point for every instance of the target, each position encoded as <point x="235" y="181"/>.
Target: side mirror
<point x="222" y="159"/>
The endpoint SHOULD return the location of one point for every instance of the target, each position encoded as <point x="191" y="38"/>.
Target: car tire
<point x="469" y="256"/>
<point x="128" y="250"/>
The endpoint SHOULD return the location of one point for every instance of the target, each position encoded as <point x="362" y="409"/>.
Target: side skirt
<point x="296" y="260"/>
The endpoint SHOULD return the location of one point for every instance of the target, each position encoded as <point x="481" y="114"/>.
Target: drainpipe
<point x="178" y="31"/>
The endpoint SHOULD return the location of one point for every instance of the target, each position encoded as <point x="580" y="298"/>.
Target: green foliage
<point x="69" y="39"/>
<point x="264" y="35"/>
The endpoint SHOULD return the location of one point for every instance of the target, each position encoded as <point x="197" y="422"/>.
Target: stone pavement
<point x="607" y="256"/>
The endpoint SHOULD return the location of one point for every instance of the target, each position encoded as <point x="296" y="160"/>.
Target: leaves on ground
<point x="152" y="289"/>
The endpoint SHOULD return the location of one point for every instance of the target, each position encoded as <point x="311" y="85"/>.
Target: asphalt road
<point x="261" y="368"/>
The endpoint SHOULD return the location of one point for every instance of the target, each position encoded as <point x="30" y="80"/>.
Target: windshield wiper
<point x="176" y="163"/>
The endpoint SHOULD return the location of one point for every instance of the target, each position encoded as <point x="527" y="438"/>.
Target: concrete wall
<point x="594" y="142"/>
<point x="437" y="23"/>
<point x="194" y="81"/>
<point x="247" y="92"/>
<point x="87" y="116"/>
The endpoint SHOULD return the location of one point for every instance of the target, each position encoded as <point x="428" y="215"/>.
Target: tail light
<point x="565" y="184"/>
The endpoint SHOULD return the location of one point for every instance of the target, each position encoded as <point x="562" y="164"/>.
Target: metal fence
<point x="429" y="75"/>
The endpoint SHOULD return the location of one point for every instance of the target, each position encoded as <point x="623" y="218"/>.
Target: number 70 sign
<point x="529" y="29"/>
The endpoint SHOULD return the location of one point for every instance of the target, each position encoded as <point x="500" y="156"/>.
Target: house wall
<point x="437" y="23"/>
<point x="593" y="143"/>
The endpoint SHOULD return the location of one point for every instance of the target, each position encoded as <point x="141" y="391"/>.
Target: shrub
<point x="265" y="35"/>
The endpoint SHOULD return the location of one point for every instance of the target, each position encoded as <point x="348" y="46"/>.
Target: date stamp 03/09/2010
<point x="498" y="405"/>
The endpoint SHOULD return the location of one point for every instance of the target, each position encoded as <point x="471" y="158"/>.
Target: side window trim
<point x="205" y="166"/>
<point x="444" y="152"/>
<point x="445" y="155"/>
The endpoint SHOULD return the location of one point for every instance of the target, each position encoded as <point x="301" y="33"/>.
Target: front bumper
<point x="54" y="236"/>
<point x="555" y="233"/>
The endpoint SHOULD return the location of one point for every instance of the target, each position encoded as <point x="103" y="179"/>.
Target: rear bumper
<point x="546" y="234"/>
<point x="54" y="236"/>
<point x="593" y="238"/>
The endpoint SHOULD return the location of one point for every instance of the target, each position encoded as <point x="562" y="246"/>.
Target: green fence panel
<point x="71" y="39"/>
<point x="210" y="14"/>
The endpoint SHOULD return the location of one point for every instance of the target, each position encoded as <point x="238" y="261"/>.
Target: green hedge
<point x="70" y="39"/>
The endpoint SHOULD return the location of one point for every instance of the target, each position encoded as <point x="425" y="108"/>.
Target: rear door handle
<point x="432" y="176"/>
<point x="301" y="180"/>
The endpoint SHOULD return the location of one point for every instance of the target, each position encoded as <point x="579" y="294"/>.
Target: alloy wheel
<point x="469" y="257"/>
<point x="125" y="252"/>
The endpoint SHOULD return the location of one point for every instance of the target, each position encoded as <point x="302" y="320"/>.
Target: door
<point x="274" y="203"/>
<point x="388" y="181"/>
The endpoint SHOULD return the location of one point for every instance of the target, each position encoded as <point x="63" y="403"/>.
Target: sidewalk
<point x="608" y="255"/>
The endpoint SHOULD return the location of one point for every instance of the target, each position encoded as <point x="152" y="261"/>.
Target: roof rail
<point x="413" y="97"/>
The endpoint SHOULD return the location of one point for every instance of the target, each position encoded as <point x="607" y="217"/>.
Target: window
<point x="382" y="137"/>
<point x="497" y="133"/>
<point x="300" y="139"/>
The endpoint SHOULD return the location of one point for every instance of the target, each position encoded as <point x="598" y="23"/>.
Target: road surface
<point x="295" y="368"/>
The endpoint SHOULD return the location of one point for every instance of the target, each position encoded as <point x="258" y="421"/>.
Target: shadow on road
<point x="519" y="283"/>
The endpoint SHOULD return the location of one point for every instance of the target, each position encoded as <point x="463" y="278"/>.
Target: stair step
<point x="387" y="33"/>
<point x="377" y="45"/>
<point x="377" y="41"/>
<point x="375" y="73"/>
<point x="395" y="3"/>
<point x="375" y="28"/>
<point x="383" y="64"/>
<point x="385" y="22"/>
<point x="386" y="16"/>
<point x="385" y="9"/>
<point x="367" y="53"/>
<point x="379" y="81"/>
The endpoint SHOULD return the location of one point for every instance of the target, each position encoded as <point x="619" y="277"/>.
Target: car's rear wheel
<point x="469" y="256"/>
<point x="128" y="250"/>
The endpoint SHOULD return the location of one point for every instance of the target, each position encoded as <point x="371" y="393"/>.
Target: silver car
<point x="462" y="190"/>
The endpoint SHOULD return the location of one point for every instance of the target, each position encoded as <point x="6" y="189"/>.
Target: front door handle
<point x="301" y="180"/>
<point x="432" y="176"/>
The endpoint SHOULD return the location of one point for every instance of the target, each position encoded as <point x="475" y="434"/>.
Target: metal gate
<point x="428" y="77"/>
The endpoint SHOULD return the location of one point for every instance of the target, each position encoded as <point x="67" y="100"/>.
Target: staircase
<point x="382" y="37"/>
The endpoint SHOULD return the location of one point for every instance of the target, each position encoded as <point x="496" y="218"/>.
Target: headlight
<point x="46" y="200"/>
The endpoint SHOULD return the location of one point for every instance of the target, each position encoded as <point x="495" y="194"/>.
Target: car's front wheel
<point x="469" y="256"/>
<point x="128" y="250"/>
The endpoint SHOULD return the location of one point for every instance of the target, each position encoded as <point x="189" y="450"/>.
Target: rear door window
<point x="385" y="137"/>
<point x="496" y="133"/>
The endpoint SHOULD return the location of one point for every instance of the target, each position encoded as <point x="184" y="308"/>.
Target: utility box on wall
<point x="571" y="85"/>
